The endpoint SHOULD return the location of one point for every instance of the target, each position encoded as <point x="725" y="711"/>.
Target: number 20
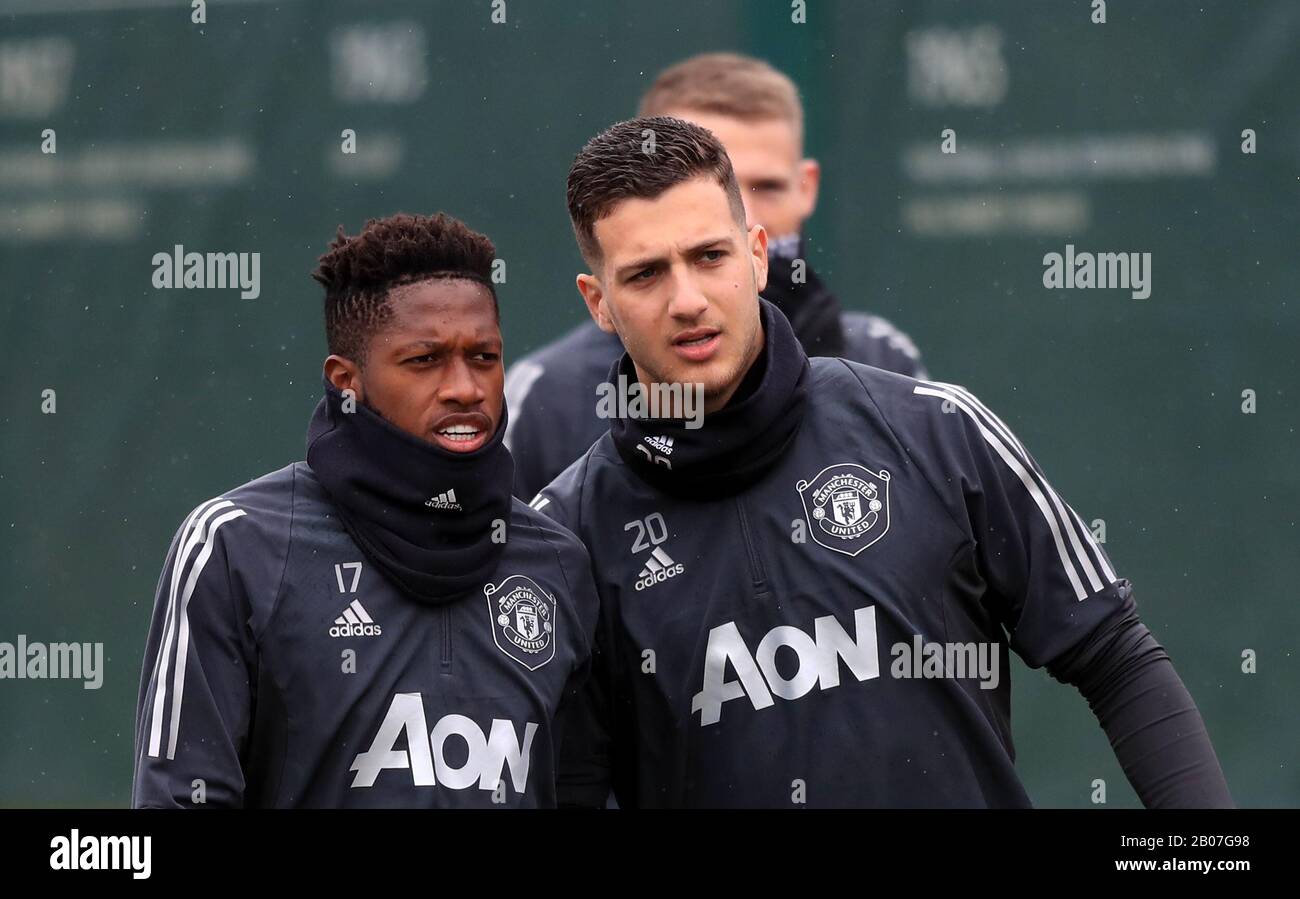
<point x="646" y="528"/>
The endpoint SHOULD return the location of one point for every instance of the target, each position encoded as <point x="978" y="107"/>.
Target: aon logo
<point x="757" y="676"/>
<point x="489" y="755"/>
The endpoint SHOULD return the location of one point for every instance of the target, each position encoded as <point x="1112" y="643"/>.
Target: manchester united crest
<point x="523" y="620"/>
<point x="847" y="506"/>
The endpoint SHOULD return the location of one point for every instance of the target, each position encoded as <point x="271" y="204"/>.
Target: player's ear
<point x="593" y="294"/>
<point x="344" y="374"/>
<point x="757" y="238"/>
<point x="810" y="179"/>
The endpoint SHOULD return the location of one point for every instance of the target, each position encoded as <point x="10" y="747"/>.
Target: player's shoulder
<point x="568" y="484"/>
<point x="919" y="407"/>
<point x="957" y="413"/>
<point x="831" y="373"/>
<point x="535" y="524"/>
<point x="570" y="555"/>
<point x="254" y="521"/>
<point x="272" y="499"/>
<point x="234" y="547"/>
<point x="573" y="356"/>
<point x="874" y="340"/>
<point x="570" y="494"/>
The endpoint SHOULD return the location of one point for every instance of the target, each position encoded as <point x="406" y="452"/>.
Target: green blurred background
<point x="1123" y="136"/>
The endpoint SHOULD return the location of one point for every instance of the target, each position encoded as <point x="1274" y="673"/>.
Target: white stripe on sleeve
<point x="1064" y="517"/>
<point x="183" y="637"/>
<point x="190" y="532"/>
<point x="1025" y="477"/>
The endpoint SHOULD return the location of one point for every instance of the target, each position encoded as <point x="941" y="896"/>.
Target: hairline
<point x="704" y="174"/>
<point x="400" y="286"/>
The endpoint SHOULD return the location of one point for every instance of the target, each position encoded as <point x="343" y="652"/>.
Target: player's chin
<point x="711" y="374"/>
<point x="713" y="381"/>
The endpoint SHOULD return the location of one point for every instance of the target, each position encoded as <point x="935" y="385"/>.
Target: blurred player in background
<point x="755" y="112"/>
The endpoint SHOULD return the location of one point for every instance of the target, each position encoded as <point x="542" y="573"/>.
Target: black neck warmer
<point x="738" y="443"/>
<point x="813" y="311"/>
<point x="426" y="517"/>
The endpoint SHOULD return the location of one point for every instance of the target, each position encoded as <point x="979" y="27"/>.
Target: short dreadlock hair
<point x="642" y="158"/>
<point x="360" y="272"/>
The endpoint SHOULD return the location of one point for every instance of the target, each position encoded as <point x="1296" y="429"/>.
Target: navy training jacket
<point x="283" y="670"/>
<point x="837" y="634"/>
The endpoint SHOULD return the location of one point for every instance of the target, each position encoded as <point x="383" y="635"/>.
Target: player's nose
<point x="461" y="385"/>
<point x="688" y="300"/>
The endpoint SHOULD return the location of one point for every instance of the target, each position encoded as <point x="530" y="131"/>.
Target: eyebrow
<point x="649" y="261"/>
<point x="486" y="340"/>
<point x="413" y="345"/>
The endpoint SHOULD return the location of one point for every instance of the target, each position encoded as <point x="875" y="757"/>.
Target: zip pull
<point x="756" y="571"/>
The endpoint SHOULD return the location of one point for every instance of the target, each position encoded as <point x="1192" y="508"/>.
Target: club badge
<point x="523" y="620"/>
<point x="847" y="507"/>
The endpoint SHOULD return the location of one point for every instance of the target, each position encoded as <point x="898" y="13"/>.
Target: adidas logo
<point x="661" y="444"/>
<point x="658" y="568"/>
<point x="354" y="622"/>
<point x="444" y="501"/>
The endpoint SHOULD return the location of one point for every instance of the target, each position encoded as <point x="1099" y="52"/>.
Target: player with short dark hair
<point x="382" y="624"/>
<point x="359" y="272"/>
<point x="755" y="113"/>
<point x="810" y="599"/>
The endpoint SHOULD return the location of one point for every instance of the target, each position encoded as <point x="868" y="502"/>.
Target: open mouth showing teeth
<point x="696" y="341"/>
<point x="460" y="433"/>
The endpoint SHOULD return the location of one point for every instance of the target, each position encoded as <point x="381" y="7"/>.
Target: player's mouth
<point x="697" y="344"/>
<point x="462" y="432"/>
